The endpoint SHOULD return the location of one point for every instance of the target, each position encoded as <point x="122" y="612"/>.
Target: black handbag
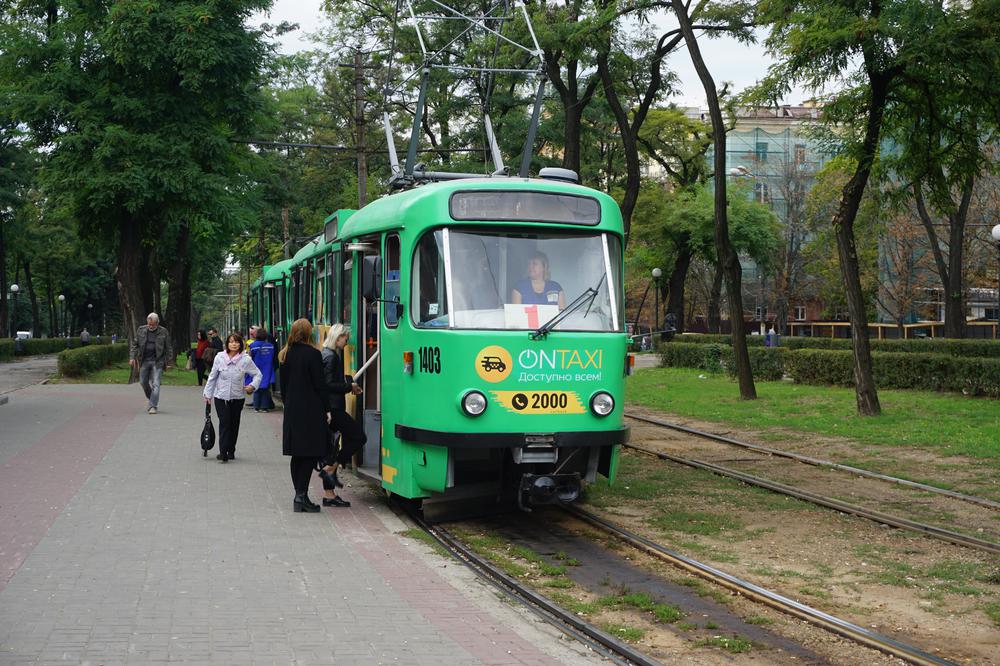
<point x="208" y="432"/>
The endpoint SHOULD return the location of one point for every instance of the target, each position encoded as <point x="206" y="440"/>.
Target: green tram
<point x="479" y="389"/>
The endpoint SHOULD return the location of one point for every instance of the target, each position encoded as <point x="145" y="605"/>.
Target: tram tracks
<point x="589" y="634"/>
<point x="819" y="499"/>
<point x="618" y="651"/>
<point x="839" y="626"/>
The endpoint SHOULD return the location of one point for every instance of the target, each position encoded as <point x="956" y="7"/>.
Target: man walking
<point x="153" y="352"/>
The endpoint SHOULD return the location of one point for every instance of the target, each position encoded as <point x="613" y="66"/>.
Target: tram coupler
<point x="548" y="489"/>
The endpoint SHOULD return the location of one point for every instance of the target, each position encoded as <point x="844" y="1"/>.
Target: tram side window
<point x="428" y="302"/>
<point x="347" y="289"/>
<point x="391" y="291"/>
<point x="319" y="308"/>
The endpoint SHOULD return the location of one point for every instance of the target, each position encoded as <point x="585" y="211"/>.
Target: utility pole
<point x="359" y="124"/>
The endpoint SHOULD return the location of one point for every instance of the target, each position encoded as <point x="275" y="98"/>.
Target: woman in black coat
<point x="352" y="437"/>
<point x="304" y="431"/>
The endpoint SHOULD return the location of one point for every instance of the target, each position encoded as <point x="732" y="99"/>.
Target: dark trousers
<point x="229" y="412"/>
<point x="199" y="367"/>
<point x="302" y="468"/>
<point x="352" y="438"/>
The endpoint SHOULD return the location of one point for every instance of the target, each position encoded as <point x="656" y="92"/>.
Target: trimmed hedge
<point x="35" y="346"/>
<point x="925" y="372"/>
<point x="766" y="364"/>
<point x="79" y="362"/>
<point x="951" y="347"/>
<point x="893" y="370"/>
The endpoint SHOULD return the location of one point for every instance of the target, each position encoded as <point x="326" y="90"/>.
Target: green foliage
<point x="37" y="346"/>
<point x="912" y="369"/>
<point x="951" y="347"/>
<point x="79" y="362"/>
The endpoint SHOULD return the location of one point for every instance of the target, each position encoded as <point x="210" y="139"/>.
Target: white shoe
<point x="152" y="410"/>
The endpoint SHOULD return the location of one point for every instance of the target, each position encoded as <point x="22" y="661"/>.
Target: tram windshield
<point x="479" y="279"/>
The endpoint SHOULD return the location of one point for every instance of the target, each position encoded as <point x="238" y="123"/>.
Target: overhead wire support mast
<point x="490" y="23"/>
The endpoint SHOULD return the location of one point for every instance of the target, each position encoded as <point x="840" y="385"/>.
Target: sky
<point x="727" y="59"/>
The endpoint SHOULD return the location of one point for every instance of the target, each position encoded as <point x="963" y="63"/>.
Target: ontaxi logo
<point x="494" y="363"/>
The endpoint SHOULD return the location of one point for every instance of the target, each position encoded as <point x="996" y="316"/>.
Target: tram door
<point x="367" y="336"/>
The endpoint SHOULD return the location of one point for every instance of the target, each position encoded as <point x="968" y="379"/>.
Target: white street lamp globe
<point x="996" y="233"/>
<point x="90" y="306"/>
<point x="62" y="297"/>
<point x="14" y="289"/>
<point x="657" y="272"/>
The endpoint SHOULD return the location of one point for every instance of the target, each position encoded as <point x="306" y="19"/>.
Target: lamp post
<point x="995" y="232"/>
<point x="13" y="310"/>
<point x="90" y="314"/>
<point x="656" y="299"/>
<point x="62" y="306"/>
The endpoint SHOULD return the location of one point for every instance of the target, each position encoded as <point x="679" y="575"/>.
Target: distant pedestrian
<point x="214" y="347"/>
<point x="262" y="353"/>
<point x="84" y="337"/>
<point x="225" y="385"/>
<point x="304" y="425"/>
<point x="352" y="437"/>
<point x="199" y="355"/>
<point x="153" y="352"/>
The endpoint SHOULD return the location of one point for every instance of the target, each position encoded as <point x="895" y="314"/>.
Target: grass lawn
<point x="118" y="374"/>
<point x="951" y="424"/>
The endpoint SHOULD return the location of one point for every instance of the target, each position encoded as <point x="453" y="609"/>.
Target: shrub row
<point x="79" y="362"/>
<point x="951" y="347"/>
<point x="766" y="364"/>
<point x="922" y="371"/>
<point x="35" y="346"/>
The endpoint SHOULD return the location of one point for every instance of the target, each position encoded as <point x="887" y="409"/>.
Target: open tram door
<point x="367" y="368"/>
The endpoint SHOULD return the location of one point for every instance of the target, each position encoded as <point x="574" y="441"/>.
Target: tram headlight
<point x="474" y="403"/>
<point x="602" y="403"/>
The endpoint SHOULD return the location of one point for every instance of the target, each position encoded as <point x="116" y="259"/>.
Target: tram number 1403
<point x="430" y="360"/>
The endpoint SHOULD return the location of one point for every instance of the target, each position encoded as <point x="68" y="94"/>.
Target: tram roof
<point x="428" y="205"/>
<point x="309" y="249"/>
<point x="277" y="271"/>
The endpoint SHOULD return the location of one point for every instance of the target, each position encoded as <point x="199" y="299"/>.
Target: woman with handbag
<point x="303" y="428"/>
<point x="352" y="437"/>
<point x="225" y="385"/>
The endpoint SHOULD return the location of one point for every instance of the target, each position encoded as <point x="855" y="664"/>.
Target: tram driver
<point x="538" y="288"/>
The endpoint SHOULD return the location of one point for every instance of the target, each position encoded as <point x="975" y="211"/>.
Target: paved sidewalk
<point x="26" y="371"/>
<point x="120" y="543"/>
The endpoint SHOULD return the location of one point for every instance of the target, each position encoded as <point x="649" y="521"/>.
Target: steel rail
<point x="777" y="601"/>
<point x="829" y="502"/>
<point x="567" y="622"/>
<point x="819" y="462"/>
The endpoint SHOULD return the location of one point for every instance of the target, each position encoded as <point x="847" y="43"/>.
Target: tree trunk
<point x="51" y="301"/>
<point x="843" y="224"/>
<point x="4" y="314"/>
<point x="147" y="303"/>
<point x="715" y="302"/>
<point x="36" y="322"/>
<point x="178" y="316"/>
<point x="675" y="285"/>
<point x="129" y="275"/>
<point x="727" y="255"/>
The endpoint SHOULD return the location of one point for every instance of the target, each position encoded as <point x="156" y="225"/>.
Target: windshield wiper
<point x="588" y="296"/>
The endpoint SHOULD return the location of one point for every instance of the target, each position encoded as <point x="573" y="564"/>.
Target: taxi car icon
<point x="491" y="363"/>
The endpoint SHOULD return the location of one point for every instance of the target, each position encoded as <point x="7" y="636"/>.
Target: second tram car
<point x="487" y="331"/>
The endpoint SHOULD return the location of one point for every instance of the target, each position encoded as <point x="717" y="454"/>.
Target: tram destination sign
<point x="525" y="206"/>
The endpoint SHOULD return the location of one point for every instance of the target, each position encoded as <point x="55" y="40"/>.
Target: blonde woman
<point x="538" y="288"/>
<point x="352" y="437"/>
<point x="303" y="430"/>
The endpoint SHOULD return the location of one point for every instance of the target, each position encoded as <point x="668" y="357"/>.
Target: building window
<point x="761" y="153"/>
<point x="990" y="313"/>
<point x="800" y="153"/>
<point x="760" y="313"/>
<point x="800" y="313"/>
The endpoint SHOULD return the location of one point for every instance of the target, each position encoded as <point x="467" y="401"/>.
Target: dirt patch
<point x="924" y="592"/>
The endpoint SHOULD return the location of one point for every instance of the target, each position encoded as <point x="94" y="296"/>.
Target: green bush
<point x="951" y="347"/>
<point x="80" y="362"/>
<point x="896" y="370"/>
<point x="35" y="346"/>
<point x="766" y="363"/>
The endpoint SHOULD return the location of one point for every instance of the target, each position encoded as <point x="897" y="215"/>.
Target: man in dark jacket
<point x="153" y="352"/>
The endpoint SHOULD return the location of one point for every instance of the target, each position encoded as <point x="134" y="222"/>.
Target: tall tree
<point x="727" y="255"/>
<point x="135" y="104"/>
